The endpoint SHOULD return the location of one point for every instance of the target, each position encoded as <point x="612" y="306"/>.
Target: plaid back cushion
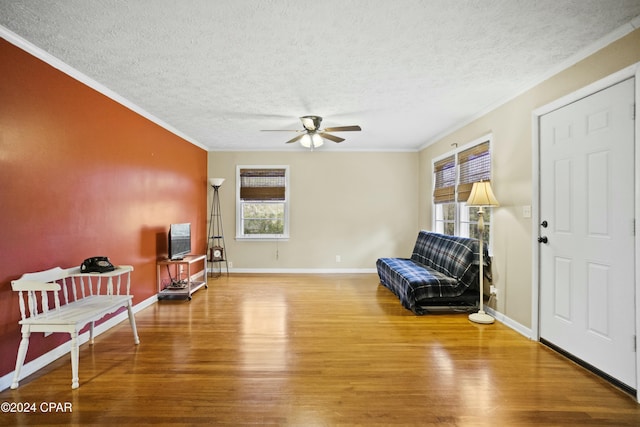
<point x="453" y="256"/>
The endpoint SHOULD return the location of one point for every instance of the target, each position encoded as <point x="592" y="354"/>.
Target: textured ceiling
<point x="406" y="71"/>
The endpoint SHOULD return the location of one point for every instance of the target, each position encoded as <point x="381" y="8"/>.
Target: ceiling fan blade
<point x="280" y="130"/>
<point x="331" y="137"/>
<point x="343" y="128"/>
<point x="295" y="139"/>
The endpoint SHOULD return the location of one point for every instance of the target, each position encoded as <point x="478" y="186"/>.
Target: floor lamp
<point x="216" y="247"/>
<point x="481" y="196"/>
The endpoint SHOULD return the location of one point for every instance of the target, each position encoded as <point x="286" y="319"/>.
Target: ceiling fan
<point x="312" y="136"/>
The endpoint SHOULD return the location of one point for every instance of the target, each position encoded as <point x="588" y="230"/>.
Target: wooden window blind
<point x="475" y="165"/>
<point x="262" y="184"/>
<point x="445" y="180"/>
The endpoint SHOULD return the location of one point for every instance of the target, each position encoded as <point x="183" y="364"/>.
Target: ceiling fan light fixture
<point x="311" y="140"/>
<point x="305" y="141"/>
<point x="317" y="140"/>
<point x="312" y="136"/>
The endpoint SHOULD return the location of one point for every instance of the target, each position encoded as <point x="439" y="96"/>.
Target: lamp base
<point x="481" y="317"/>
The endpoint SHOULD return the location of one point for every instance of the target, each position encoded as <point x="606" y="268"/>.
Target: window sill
<point x="262" y="239"/>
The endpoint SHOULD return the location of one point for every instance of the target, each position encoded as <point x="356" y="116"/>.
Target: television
<point x="179" y="241"/>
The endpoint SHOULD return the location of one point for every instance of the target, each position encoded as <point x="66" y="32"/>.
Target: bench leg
<point x="91" y="326"/>
<point x="75" y="381"/>
<point x="22" y="352"/>
<point x="132" y="321"/>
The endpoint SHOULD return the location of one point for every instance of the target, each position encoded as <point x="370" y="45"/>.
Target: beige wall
<point x="511" y="125"/>
<point x="358" y="205"/>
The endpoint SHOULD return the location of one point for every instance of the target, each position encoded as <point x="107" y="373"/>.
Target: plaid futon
<point x="440" y="266"/>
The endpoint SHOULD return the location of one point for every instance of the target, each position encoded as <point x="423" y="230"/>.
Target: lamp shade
<point x="216" y="182"/>
<point x="482" y="195"/>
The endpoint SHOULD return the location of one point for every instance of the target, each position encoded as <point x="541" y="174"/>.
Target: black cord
<point x="169" y="273"/>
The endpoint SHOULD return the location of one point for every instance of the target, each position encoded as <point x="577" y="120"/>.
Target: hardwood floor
<point x="316" y="350"/>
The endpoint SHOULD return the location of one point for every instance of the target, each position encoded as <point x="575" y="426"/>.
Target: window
<point x="444" y="194"/>
<point x="454" y="175"/>
<point x="262" y="202"/>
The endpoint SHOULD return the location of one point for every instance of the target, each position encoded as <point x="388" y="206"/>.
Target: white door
<point x="587" y="269"/>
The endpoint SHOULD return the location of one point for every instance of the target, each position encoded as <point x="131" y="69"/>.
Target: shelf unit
<point x="185" y="280"/>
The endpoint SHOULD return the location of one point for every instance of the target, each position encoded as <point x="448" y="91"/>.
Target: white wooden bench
<point x="85" y="299"/>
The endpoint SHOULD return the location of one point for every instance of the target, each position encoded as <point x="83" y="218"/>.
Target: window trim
<point x="460" y="205"/>
<point x="239" y="225"/>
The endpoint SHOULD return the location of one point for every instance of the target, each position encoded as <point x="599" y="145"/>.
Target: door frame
<point x="624" y="74"/>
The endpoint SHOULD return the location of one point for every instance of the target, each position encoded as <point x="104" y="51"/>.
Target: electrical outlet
<point x="493" y="290"/>
<point x="338" y="258"/>
<point x="230" y="264"/>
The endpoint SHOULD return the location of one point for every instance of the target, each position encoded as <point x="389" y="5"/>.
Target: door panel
<point x="587" y="269"/>
<point x="562" y="288"/>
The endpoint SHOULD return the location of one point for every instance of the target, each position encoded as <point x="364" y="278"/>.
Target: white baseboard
<point x="523" y="330"/>
<point x="63" y="349"/>
<point x="303" y="270"/>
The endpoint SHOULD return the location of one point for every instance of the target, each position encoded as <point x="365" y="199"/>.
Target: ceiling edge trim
<point x="317" y="150"/>
<point x="56" y="63"/>
<point x="572" y="60"/>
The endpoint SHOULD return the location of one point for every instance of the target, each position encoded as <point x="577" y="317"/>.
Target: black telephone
<point x="96" y="264"/>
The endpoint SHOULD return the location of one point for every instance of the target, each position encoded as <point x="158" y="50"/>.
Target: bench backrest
<point x="454" y="256"/>
<point x="39" y="292"/>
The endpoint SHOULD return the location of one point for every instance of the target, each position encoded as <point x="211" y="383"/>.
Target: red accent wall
<point x="82" y="175"/>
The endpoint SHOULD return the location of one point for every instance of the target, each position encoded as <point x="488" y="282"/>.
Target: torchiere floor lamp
<point x="217" y="254"/>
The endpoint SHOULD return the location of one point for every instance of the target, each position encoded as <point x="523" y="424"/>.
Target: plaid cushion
<point x="413" y="282"/>
<point x="453" y="256"/>
<point x="441" y="266"/>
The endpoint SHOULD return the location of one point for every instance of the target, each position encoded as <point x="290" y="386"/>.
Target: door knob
<point x="543" y="239"/>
